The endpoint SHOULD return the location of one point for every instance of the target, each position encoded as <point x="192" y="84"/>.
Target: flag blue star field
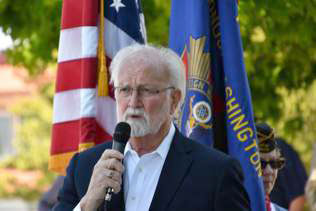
<point x="127" y="15"/>
<point x="217" y="109"/>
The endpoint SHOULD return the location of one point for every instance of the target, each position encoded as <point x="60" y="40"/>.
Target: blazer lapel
<point x="175" y="168"/>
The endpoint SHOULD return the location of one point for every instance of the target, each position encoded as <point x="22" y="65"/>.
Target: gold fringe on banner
<point x="103" y="86"/>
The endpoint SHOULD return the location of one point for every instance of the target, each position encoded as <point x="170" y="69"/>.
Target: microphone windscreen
<point x="122" y="132"/>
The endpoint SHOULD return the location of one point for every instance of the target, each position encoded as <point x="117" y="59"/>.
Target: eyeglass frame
<point x="141" y="91"/>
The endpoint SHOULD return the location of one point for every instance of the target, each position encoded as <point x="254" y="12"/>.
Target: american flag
<point x="81" y="118"/>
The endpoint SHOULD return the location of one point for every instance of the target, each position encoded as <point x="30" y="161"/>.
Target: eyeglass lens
<point x="275" y="164"/>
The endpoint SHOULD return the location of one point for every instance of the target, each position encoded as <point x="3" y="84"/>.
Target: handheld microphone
<point x="120" y="138"/>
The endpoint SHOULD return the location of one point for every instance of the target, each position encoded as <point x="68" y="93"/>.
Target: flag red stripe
<point x="68" y="134"/>
<point x="77" y="74"/>
<point x="65" y="137"/>
<point x="79" y="13"/>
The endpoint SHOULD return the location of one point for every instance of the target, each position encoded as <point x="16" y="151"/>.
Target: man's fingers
<point x="115" y="164"/>
<point x="111" y="164"/>
<point x="115" y="186"/>
<point x="111" y="159"/>
<point x="113" y="179"/>
<point x="108" y="171"/>
<point x="114" y="175"/>
<point x="110" y="153"/>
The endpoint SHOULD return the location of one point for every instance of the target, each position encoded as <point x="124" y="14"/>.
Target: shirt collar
<point x="162" y="149"/>
<point x="272" y="207"/>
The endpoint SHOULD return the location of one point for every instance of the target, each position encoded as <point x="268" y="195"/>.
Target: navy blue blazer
<point x="193" y="178"/>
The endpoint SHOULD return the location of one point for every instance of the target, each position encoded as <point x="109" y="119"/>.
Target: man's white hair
<point x="159" y="57"/>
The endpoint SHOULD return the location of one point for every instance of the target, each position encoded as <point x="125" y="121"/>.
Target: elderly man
<point x="271" y="161"/>
<point x="161" y="170"/>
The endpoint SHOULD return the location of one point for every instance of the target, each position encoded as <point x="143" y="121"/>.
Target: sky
<point x="5" y="41"/>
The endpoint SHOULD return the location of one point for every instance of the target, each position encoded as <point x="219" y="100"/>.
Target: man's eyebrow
<point x="138" y="85"/>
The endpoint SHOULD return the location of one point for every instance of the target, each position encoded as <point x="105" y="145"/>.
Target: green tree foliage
<point x="157" y="14"/>
<point x="298" y="123"/>
<point x="33" y="136"/>
<point x="279" y="49"/>
<point x="32" y="147"/>
<point x="34" y="27"/>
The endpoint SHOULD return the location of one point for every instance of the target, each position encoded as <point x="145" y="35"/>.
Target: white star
<point x="117" y="4"/>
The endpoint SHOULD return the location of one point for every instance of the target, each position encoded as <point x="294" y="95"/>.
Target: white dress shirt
<point x="141" y="174"/>
<point x="272" y="206"/>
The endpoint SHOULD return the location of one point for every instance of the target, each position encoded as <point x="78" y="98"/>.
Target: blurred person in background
<point x="271" y="162"/>
<point x="288" y="190"/>
<point x="49" y="198"/>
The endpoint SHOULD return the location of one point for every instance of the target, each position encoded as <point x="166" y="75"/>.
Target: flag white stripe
<point x="74" y="104"/>
<point x="81" y="42"/>
<point x="80" y="103"/>
<point x="77" y="43"/>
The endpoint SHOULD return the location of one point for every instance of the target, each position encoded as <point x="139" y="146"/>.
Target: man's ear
<point x="175" y="100"/>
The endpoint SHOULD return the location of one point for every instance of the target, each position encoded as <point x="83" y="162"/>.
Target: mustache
<point x="134" y="111"/>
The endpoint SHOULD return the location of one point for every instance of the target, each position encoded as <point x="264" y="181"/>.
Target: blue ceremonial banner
<point x="217" y="109"/>
<point x="189" y="37"/>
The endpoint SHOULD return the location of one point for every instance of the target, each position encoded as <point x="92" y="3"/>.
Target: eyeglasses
<point x="142" y="91"/>
<point x="274" y="164"/>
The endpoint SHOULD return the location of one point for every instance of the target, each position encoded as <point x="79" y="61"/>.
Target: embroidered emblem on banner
<point x="197" y="111"/>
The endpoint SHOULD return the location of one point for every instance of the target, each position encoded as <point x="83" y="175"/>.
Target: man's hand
<point x="107" y="172"/>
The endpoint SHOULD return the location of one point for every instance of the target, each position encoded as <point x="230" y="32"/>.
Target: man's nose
<point x="134" y="98"/>
<point x="268" y="169"/>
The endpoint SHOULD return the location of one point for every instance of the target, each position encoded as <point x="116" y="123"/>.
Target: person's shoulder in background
<point x="289" y="187"/>
<point x="49" y="198"/>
